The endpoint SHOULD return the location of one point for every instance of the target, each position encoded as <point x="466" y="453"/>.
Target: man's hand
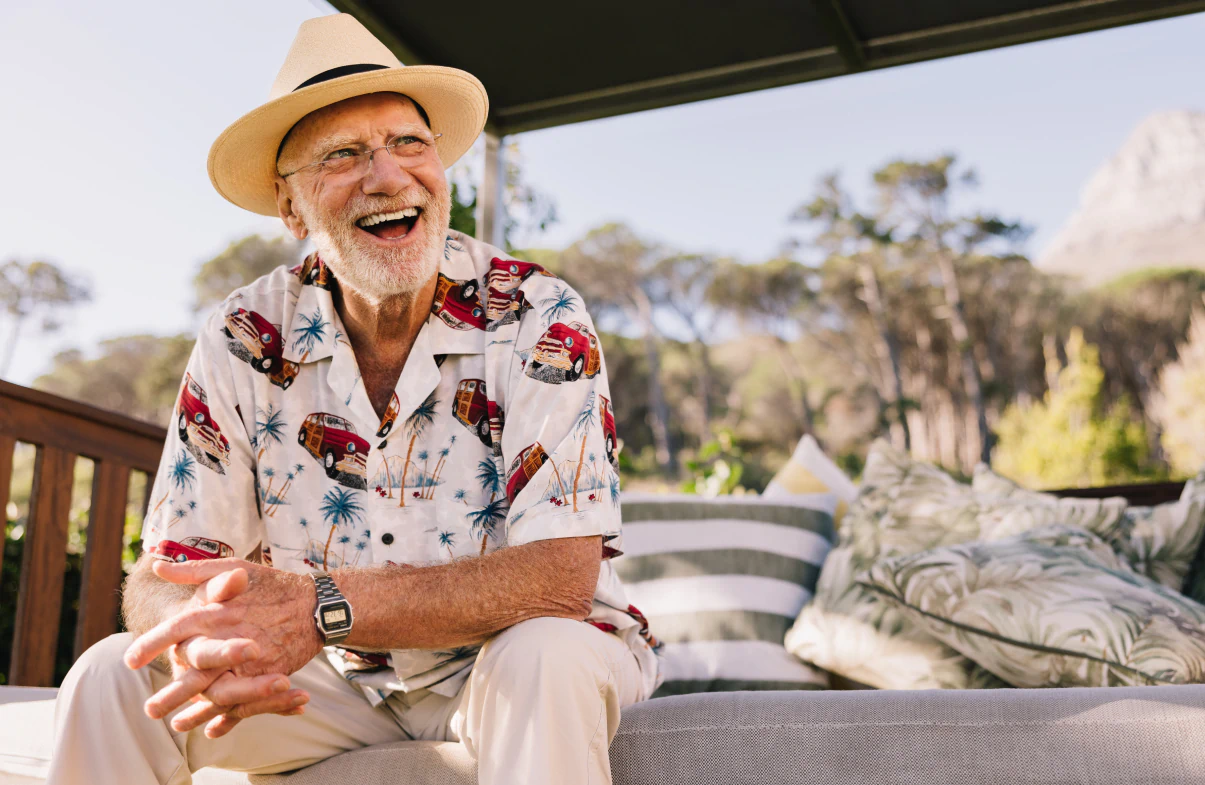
<point x="233" y="647"/>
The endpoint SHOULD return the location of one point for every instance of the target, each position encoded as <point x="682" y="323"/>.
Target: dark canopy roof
<point x="551" y="62"/>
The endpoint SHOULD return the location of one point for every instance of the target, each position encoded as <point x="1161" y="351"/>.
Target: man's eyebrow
<point x="336" y="141"/>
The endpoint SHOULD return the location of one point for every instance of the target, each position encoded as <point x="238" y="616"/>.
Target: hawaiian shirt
<point x="500" y="432"/>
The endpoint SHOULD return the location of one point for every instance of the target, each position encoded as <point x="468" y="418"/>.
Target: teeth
<point x="373" y="220"/>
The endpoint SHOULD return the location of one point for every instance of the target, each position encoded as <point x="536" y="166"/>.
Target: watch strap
<point x="328" y="592"/>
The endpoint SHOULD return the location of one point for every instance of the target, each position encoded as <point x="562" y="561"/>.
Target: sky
<point x="110" y="110"/>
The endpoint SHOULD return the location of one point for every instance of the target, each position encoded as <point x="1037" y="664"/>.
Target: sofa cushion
<point x="810" y="471"/>
<point x="906" y="507"/>
<point x="1160" y="542"/>
<point x="721" y="580"/>
<point x="1054" y="607"/>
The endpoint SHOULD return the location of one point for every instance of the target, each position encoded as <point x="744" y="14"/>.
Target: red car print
<point x="504" y="308"/>
<point x="390" y="417"/>
<point x="262" y="341"/>
<point x="334" y="442"/>
<point x="315" y="272"/>
<point x="506" y="274"/>
<point x="196" y="426"/>
<point x="191" y="549"/>
<point x="570" y="347"/>
<point x="458" y="303"/>
<point x="608" y="428"/>
<point x="523" y="468"/>
<point x="471" y="408"/>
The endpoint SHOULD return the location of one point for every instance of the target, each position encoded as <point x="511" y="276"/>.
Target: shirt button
<point x="387" y="538"/>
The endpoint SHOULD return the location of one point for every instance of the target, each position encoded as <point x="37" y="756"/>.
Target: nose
<point x="385" y="176"/>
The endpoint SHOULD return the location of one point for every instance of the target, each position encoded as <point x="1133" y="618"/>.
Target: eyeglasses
<point x="408" y="151"/>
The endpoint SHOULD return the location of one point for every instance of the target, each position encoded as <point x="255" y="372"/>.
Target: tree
<point x="269" y="428"/>
<point x="915" y="197"/>
<point x="32" y="288"/>
<point x="612" y="269"/>
<point x="136" y="375"/>
<point x="1179" y="402"/>
<point x="312" y="331"/>
<point x="238" y="265"/>
<point x="490" y="477"/>
<point x="586" y="419"/>
<point x="853" y="239"/>
<point x="1073" y="438"/>
<point x="418" y="421"/>
<point x="340" y="507"/>
<point x="486" y="519"/>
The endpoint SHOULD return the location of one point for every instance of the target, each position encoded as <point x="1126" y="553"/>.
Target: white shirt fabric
<point x="500" y="433"/>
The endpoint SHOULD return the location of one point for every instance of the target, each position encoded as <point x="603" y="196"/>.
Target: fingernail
<point x="300" y="700"/>
<point x="248" y="652"/>
<point x="280" y="685"/>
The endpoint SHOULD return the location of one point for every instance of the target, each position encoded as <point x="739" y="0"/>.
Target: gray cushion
<point x="1087" y="736"/>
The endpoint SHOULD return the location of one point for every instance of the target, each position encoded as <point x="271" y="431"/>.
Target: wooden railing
<point x="62" y="430"/>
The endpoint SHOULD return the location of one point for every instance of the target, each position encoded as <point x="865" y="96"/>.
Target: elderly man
<point x="389" y="494"/>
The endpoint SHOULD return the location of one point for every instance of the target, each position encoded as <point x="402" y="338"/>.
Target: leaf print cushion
<point x="1054" y="607"/>
<point x="1160" y="542"/>
<point x="906" y="507"/>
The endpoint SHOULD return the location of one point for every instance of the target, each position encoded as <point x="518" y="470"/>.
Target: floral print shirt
<point x="500" y="432"/>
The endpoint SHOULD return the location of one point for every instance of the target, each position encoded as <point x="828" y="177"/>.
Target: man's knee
<point x="547" y="646"/>
<point x="102" y="668"/>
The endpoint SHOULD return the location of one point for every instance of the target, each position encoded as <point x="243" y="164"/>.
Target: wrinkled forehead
<point x="360" y="111"/>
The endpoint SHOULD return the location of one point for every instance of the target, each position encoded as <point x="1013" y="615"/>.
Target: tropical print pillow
<point x="1159" y="542"/>
<point x="1055" y="607"/>
<point x="906" y="507"/>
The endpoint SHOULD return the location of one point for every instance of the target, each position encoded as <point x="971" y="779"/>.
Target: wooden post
<point x="39" y="600"/>
<point x="99" y="594"/>
<point x="7" y="445"/>
<point x="491" y="212"/>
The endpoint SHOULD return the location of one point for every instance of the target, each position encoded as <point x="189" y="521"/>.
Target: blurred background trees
<point x="904" y="317"/>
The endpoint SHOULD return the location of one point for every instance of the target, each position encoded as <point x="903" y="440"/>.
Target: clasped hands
<point x="233" y="645"/>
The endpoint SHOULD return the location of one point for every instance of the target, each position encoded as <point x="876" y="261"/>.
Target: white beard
<point x="379" y="274"/>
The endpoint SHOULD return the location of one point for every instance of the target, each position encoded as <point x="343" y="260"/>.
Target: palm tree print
<point x="312" y="331"/>
<point x="340" y="507"/>
<point x="613" y="487"/>
<point x="178" y="515"/>
<point x="283" y="494"/>
<point x="460" y="496"/>
<point x="270" y="473"/>
<point x="490" y="477"/>
<point x="269" y="428"/>
<point x="443" y="458"/>
<point x="447" y="539"/>
<point x="562" y="303"/>
<point x="486" y="520"/>
<point x="182" y="475"/>
<point x="585" y="421"/>
<point x="418" y="421"/>
<point x="423" y="456"/>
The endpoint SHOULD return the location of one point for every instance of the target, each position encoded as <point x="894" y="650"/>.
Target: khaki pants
<point x="541" y="706"/>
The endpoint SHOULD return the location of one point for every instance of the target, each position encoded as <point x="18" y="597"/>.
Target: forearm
<point x="147" y="599"/>
<point x="466" y="601"/>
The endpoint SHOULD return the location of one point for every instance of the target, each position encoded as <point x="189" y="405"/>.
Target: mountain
<point x="1145" y="207"/>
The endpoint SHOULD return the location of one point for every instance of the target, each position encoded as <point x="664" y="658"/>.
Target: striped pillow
<point x="721" y="581"/>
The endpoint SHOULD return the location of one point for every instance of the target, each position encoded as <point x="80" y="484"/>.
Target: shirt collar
<point x="315" y="327"/>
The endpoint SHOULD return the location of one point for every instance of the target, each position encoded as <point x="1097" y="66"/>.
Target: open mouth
<point x="391" y="226"/>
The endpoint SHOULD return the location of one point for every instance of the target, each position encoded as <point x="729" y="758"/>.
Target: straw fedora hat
<point x="332" y="58"/>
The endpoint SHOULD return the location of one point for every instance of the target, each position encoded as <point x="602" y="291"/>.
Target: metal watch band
<point x="328" y="591"/>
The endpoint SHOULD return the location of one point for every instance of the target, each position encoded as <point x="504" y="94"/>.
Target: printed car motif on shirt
<point x="257" y="342"/>
<point x="458" y="303"/>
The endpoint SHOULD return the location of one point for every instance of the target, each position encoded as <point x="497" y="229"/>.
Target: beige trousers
<point x="541" y="706"/>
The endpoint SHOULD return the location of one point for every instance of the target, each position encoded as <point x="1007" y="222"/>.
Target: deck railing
<point x="62" y="430"/>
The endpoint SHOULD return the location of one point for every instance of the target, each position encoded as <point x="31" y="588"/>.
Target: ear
<point x="284" y="205"/>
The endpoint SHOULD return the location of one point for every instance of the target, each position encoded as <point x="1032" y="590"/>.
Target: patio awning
<point x="550" y="62"/>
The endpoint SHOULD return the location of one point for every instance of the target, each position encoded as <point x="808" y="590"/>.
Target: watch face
<point x="336" y="617"/>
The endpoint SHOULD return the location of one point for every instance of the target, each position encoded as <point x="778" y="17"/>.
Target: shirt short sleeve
<point x="204" y="503"/>
<point x="559" y="441"/>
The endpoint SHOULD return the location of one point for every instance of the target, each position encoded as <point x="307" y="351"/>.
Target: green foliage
<point x="1073" y="437"/>
<point x="717" y="468"/>
<point x="241" y="263"/>
<point x="136" y="375"/>
<point x="1179" y="403"/>
<point x="32" y="288"/>
<point x="464" y="213"/>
